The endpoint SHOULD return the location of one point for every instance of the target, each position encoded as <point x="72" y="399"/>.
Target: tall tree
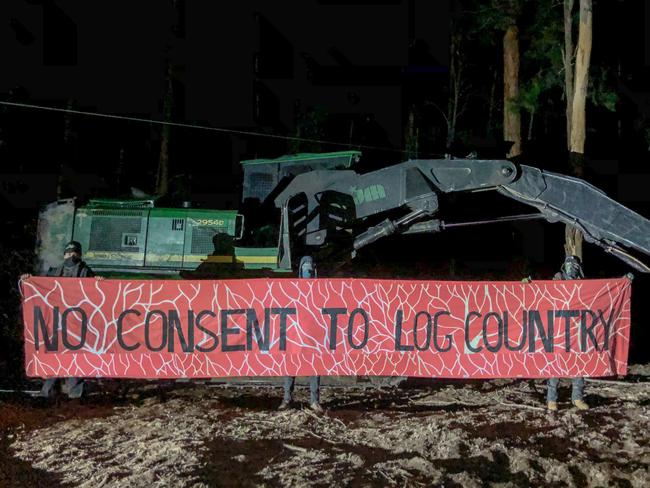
<point x="511" y="112"/>
<point x="567" y="58"/>
<point x="552" y="63"/>
<point x="501" y="17"/>
<point x="550" y="70"/>
<point x="573" y="236"/>
<point x="581" y="82"/>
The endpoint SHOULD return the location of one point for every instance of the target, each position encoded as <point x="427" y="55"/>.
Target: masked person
<point x="306" y="269"/>
<point x="72" y="267"/>
<point x="571" y="270"/>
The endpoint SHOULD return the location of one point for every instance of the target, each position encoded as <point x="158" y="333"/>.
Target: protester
<point x="72" y="267"/>
<point x="571" y="270"/>
<point x="314" y="393"/>
<point x="306" y="269"/>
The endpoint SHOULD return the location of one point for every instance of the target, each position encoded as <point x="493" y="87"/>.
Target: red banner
<point x="291" y="327"/>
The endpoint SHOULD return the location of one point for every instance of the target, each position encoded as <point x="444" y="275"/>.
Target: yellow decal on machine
<point x="256" y="259"/>
<point x="209" y="259"/>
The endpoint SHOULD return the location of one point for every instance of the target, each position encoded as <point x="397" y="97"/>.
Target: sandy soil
<point x="451" y="433"/>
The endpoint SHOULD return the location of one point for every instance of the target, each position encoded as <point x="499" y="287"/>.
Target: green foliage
<point x="496" y="15"/>
<point x="545" y="36"/>
<point x="542" y="60"/>
<point x="542" y="56"/>
<point x="529" y="94"/>
<point x="600" y="91"/>
<point x="479" y="26"/>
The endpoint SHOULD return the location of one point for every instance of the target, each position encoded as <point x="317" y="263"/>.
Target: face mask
<point x="71" y="261"/>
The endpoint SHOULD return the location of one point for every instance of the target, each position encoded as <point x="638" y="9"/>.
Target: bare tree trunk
<point x="578" y="126"/>
<point x="568" y="66"/>
<point x="162" y="179"/>
<point x="511" y="114"/>
<point x="572" y="241"/>
<point x="573" y="237"/>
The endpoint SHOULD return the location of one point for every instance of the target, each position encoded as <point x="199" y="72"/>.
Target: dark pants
<point x="578" y="386"/>
<point x="314" y="386"/>
<point x="74" y="387"/>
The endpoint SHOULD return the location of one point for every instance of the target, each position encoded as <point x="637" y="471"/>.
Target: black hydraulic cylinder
<point x="383" y="229"/>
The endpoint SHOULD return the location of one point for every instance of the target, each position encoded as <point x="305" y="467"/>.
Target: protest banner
<point x="291" y="327"/>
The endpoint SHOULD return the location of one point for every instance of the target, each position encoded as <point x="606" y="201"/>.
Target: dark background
<point x="345" y="72"/>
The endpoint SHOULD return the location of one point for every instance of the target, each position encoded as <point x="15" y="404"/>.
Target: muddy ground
<point x="433" y="433"/>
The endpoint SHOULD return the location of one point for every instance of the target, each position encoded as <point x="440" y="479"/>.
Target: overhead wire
<point x="203" y="127"/>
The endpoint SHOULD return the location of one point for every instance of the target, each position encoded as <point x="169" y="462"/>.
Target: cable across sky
<point x="204" y="127"/>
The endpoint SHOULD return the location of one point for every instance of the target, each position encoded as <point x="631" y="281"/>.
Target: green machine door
<point x="112" y="237"/>
<point x="166" y="238"/>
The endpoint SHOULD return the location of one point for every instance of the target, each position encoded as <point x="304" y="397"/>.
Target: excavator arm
<point x="320" y="206"/>
<point x="603" y="221"/>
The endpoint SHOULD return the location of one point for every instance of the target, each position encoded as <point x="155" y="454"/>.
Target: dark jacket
<point x="80" y="270"/>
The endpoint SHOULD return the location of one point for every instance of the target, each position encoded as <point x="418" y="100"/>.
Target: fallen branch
<point x="268" y="422"/>
<point x="316" y="435"/>
<point x="615" y="382"/>
<point x="339" y="421"/>
<point x="27" y="392"/>
<point x="521" y="405"/>
<point x="312" y="414"/>
<point x="448" y="404"/>
<point x="359" y="402"/>
<point x="295" y="448"/>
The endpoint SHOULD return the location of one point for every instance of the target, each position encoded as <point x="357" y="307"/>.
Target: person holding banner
<point x="72" y="267"/>
<point x="571" y="270"/>
<point x="306" y="269"/>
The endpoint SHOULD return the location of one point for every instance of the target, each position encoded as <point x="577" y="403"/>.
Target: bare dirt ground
<point x="433" y="433"/>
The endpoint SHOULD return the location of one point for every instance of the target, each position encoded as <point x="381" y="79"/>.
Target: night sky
<point x="240" y="65"/>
